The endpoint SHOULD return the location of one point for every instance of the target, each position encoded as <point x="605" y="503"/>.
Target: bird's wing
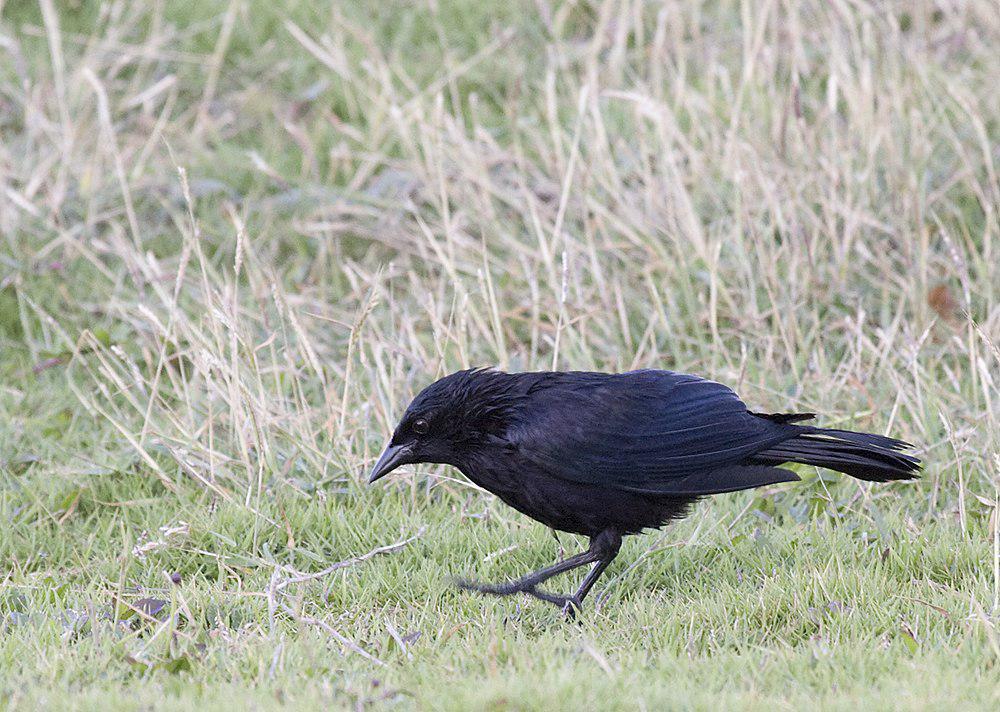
<point x="655" y="432"/>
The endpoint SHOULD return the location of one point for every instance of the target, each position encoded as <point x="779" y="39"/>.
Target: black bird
<point x="606" y="455"/>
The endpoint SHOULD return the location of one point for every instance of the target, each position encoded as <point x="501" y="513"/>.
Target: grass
<point x="235" y="240"/>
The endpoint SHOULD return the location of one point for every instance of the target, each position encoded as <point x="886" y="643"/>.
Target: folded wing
<point x="654" y="432"/>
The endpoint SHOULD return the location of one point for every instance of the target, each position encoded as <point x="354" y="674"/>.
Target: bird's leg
<point x="610" y="544"/>
<point x="602" y="551"/>
<point x="527" y="584"/>
<point x="591" y="578"/>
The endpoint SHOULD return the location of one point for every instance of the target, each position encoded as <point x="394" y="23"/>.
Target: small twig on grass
<point x="500" y="552"/>
<point x="332" y="632"/>
<point x="277" y="585"/>
<point x="388" y="549"/>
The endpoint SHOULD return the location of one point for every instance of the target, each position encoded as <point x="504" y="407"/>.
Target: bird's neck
<point x="480" y="463"/>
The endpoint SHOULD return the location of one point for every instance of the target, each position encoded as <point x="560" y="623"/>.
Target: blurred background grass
<point x="237" y="237"/>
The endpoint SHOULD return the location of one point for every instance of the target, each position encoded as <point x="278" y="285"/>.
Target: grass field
<point x="237" y="237"/>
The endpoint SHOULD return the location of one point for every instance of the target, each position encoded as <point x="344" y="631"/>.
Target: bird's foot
<point x="571" y="608"/>
<point x="569" y="605"/>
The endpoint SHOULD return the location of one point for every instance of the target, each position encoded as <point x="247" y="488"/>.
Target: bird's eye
<point x="420" y="426"/>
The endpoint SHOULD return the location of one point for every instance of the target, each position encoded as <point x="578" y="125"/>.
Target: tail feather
<point x="785" y="417"/>
<point x="867" y="456"/>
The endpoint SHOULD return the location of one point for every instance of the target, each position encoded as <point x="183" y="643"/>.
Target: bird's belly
<point x="576" y="507"/>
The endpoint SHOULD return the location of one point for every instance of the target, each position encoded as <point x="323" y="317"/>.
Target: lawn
<point x="237" y="237"/>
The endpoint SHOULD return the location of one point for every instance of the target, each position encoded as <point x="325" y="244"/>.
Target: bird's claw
<point x="568" y="605"/>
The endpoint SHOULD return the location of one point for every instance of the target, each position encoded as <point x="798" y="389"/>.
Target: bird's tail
<point x="870" y="457"/>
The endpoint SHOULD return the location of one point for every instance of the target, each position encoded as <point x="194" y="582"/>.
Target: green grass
<point x="234" y="241"/>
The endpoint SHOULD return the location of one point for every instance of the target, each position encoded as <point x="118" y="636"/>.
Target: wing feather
<point x="655" y="432"/>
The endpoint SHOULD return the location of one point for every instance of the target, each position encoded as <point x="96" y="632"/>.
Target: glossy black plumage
<point x="607" y="455"/>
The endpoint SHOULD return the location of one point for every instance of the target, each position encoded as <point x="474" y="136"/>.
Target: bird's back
<point x="653" y="432"/>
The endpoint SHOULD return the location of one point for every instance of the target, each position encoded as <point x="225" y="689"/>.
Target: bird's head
<point x="449" y="419"/>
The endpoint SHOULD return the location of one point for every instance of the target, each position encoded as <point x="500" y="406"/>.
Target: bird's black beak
<point x="393" y="457"/>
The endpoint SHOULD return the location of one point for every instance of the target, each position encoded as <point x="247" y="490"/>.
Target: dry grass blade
<point x="387" y="549"/>
<point x="332" y="632"/>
